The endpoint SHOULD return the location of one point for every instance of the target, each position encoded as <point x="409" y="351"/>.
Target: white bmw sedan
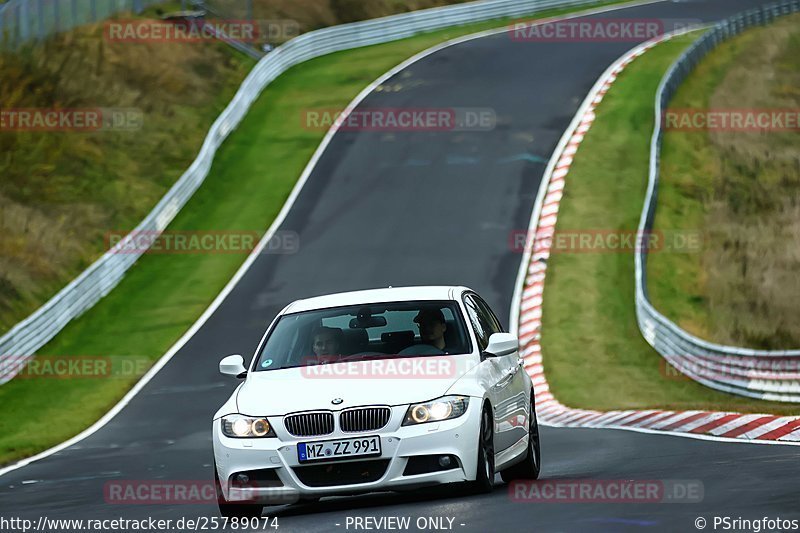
<point x="385" y="389"/>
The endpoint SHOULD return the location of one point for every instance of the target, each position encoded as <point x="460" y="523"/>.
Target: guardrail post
<point x="40" y="18"/>
<point x="24" y="21"/>
<point x="57" y="15"/>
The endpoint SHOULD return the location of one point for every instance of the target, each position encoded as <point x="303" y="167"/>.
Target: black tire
<point x="234" y="510"/>
<point x="484" y="479"/>
<point x="530" y="467"/>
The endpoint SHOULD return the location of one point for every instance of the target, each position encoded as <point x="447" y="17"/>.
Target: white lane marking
<point x="529" y="262"/>
<point x="175" y="348"/>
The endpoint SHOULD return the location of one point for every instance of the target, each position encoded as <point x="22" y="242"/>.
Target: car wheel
<point x="484" y="479"/>
<point x="234" y="510"/>
<point x="530" y="467"/>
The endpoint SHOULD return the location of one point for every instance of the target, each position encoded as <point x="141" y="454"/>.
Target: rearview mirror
<point x="367" y="322"/>
<point x="501" y="344"/>
<point x="233" y="365"/>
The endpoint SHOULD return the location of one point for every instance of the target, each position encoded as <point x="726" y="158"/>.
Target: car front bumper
<point x="277" y="458"/>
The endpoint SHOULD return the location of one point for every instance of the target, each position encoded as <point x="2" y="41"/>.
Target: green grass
<point x="61" y="191"/>
<point x="736" y="189"/>
<point x="594" y="355"/>
<point x="161" y="297"/>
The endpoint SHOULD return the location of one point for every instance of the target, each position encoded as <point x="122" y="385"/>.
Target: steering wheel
<point x="421" y="349"/>
<point x="359" y="355"/>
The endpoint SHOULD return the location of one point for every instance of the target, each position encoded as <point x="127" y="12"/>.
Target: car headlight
<point x="242" y="427"/>
<point x="443" y="408"/>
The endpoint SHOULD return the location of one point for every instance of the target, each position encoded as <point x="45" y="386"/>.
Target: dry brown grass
<point x="742" y="189"/>
<point x="753" y="213"/>
<point x="60" y="192"/>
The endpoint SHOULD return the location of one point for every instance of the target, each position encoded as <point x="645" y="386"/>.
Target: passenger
<point x="327" y="344"/>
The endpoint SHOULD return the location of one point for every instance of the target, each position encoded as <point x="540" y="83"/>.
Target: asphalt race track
<point x="407" y="208"/>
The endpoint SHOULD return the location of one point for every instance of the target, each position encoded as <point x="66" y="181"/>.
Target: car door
<point x="495" y="369"/>
<point x="512" y="414"/>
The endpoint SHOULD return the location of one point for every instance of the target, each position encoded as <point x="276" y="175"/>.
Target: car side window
<point x="483" y="327"/>
<point x="489" y="315"/>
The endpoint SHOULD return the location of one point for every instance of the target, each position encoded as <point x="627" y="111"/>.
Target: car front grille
<point x="309" y="424"/>
<point x="364" y="419"/>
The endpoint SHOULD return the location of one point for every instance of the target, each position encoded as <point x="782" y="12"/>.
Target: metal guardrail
<point x="26" y="20"/>
<point x="22" y="341"/>
<point x="768" y="375"/>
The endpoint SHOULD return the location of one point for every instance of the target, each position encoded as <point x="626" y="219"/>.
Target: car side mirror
<point x="501" y="344"/>
<point x="233" y="365"/>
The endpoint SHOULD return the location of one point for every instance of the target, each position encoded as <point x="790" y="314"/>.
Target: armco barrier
<point x="526" y="311"/>
<point x="22" y="21"/>
<point x="769" y="375"/>
<point x="103" y="275"/>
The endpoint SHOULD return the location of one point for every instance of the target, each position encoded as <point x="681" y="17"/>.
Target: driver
<point x="327" y="343"/>
<point x="432" y="326"/>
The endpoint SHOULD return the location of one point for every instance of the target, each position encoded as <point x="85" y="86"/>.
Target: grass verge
<point x="61" y="192"/>
<point x="595" y="356"/>
<point x="740" y="190"/>
<point x="161" y="297"/>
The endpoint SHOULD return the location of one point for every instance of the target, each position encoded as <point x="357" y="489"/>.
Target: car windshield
<point x="361" y="332"/>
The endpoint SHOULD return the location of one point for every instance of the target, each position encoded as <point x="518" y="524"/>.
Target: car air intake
<point x="350" y="473"/>
<point x="364" y="419"/>
<point x="309" y="424"/>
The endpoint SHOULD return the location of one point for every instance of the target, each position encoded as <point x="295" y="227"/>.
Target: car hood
<point x="278" y="392"/>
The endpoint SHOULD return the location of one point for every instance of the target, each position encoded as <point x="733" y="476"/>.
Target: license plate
<point x="338" y="449"/>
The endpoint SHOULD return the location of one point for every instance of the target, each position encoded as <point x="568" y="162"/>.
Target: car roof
<point x="388" y="294"/>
